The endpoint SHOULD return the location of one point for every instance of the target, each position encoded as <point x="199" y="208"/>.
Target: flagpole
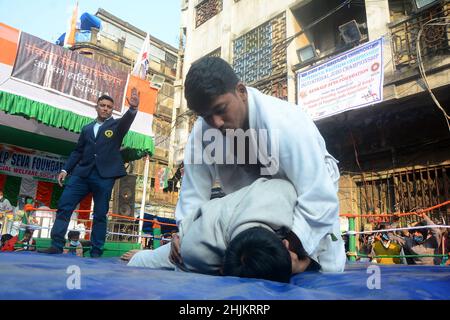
<point x="140" y="70"/>
<point x="144" y="194"/>
<point x="70" y="37"/>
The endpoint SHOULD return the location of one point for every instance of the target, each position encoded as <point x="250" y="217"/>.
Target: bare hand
<point x="128" y="255"/>
<point x="421" y="213"/>
<point x="175" y="256"/>
<point x="134" y="99"/>
<point x="61" y="177"/>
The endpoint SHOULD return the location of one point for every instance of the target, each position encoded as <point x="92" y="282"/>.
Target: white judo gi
<point x="302" y="159"/>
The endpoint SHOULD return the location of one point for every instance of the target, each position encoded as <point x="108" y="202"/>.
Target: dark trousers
<point x="75" y="190"/>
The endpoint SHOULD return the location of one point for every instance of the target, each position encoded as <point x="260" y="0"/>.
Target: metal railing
<point x="435" y="38"/>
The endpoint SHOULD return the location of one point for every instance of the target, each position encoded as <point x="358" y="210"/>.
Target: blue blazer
<point x="102" y="151"/>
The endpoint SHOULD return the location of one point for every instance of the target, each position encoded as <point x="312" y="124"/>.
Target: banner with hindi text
<point x="53" y="67"/>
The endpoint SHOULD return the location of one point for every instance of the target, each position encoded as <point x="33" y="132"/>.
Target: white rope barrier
<point x="136" y="235"/>
<point x="35" y="227"/>
<point x="130" y="235"/>
<point x="397" y="229"/>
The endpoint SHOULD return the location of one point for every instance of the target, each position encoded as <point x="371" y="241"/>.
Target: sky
<point x="48" y="19"/>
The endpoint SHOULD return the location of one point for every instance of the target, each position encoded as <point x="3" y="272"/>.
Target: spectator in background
<point x="73" y="244"/>
<point x="383" y="246"/>
<point x="166" y="238"/>
<point x="422" y="242"/>
<point x="394" y="225"/>
<point x="365" y="246"/>
<point x="8" y="242"/>
<point x="5" y="237"/>
<point x="5" y="205"/>
<point x="27" y="243"/>
<point x="5" y="208"/>
<point x="444" y="248"/>
<point x="366" y="242"/>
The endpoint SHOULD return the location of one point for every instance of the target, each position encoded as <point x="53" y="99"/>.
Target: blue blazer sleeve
<point x="125" y="122"/>
<point x="76" y="154"/>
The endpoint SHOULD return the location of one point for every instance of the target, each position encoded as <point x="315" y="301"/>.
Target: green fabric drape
<point x="12" y="188"/>
<point x="56" y="194"/>
<point x="136" y="145"/>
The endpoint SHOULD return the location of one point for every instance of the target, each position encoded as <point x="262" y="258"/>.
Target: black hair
<point x="383" y="225"/>
<point x="5" y="238"/>
<point x="28" y="231"/>
<point x="423" y="231"/>
<point x="73" y="234"/>
<point x="258" y="253"/>
<point x="105" y="97"/>
<point x="208" y="78"/>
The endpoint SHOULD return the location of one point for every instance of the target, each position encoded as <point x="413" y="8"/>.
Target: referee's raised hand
<point x="133" y="101"/>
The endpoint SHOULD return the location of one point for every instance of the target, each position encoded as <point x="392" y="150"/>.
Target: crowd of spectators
<point x="420" y="244"/>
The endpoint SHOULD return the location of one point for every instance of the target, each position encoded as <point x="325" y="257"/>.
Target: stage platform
<point x="29" y="275"/>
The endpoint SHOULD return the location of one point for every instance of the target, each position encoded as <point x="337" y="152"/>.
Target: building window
<point x="171" y="61"/>
<point x="162" y="134"/>
<point x="253" y="54"/>
<point x="206" y="9"/>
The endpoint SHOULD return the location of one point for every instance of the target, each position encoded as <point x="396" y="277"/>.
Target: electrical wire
<point x="422" y="68"/>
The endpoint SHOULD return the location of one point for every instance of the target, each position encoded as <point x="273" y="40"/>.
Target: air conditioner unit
<point x="306" y="53"/>
<point x="350" y="32"/>
<point x="423" y="4"/>
<point x="157" y="81"/>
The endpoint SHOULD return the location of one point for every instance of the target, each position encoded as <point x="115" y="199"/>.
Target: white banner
<point x="18" y="161"/>
<point x="351" y="80"/>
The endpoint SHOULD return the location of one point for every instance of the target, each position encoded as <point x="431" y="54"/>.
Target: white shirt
<point x="303" y="160"/>
<point x="97" y="126"/>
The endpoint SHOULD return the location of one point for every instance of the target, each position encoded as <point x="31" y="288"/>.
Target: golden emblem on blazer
<point x="109" y="133"/>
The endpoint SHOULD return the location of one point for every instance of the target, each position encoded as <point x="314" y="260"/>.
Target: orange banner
<point x="9" y="43"/>
<point x="147" y="95"/>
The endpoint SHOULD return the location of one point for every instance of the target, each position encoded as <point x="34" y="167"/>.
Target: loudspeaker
<point x="350" y="32"/>
<point x="124" y="196"/>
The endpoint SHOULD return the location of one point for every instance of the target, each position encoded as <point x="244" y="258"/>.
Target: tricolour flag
<point x="143" y="59"/>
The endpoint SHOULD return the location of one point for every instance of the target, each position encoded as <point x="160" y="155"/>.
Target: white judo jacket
<point x="297" y="151"/>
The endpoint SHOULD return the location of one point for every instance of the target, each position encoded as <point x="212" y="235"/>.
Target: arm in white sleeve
<point x="314" y="174"/>
<point x="198" y="177"/>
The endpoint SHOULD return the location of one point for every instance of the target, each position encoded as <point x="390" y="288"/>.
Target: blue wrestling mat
<point x="29" y="275"/>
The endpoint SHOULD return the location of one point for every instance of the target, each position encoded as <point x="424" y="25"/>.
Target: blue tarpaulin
<point x="29" y="275"/>
<point x="87" y="21"/>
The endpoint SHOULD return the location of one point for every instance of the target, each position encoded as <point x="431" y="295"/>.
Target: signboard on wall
<point x="53" y="67"/>
<point x="21" y="162"/>
<point x="350" y="80"/>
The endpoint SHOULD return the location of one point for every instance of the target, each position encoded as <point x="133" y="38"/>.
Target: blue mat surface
<point x="29" y="275"/>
